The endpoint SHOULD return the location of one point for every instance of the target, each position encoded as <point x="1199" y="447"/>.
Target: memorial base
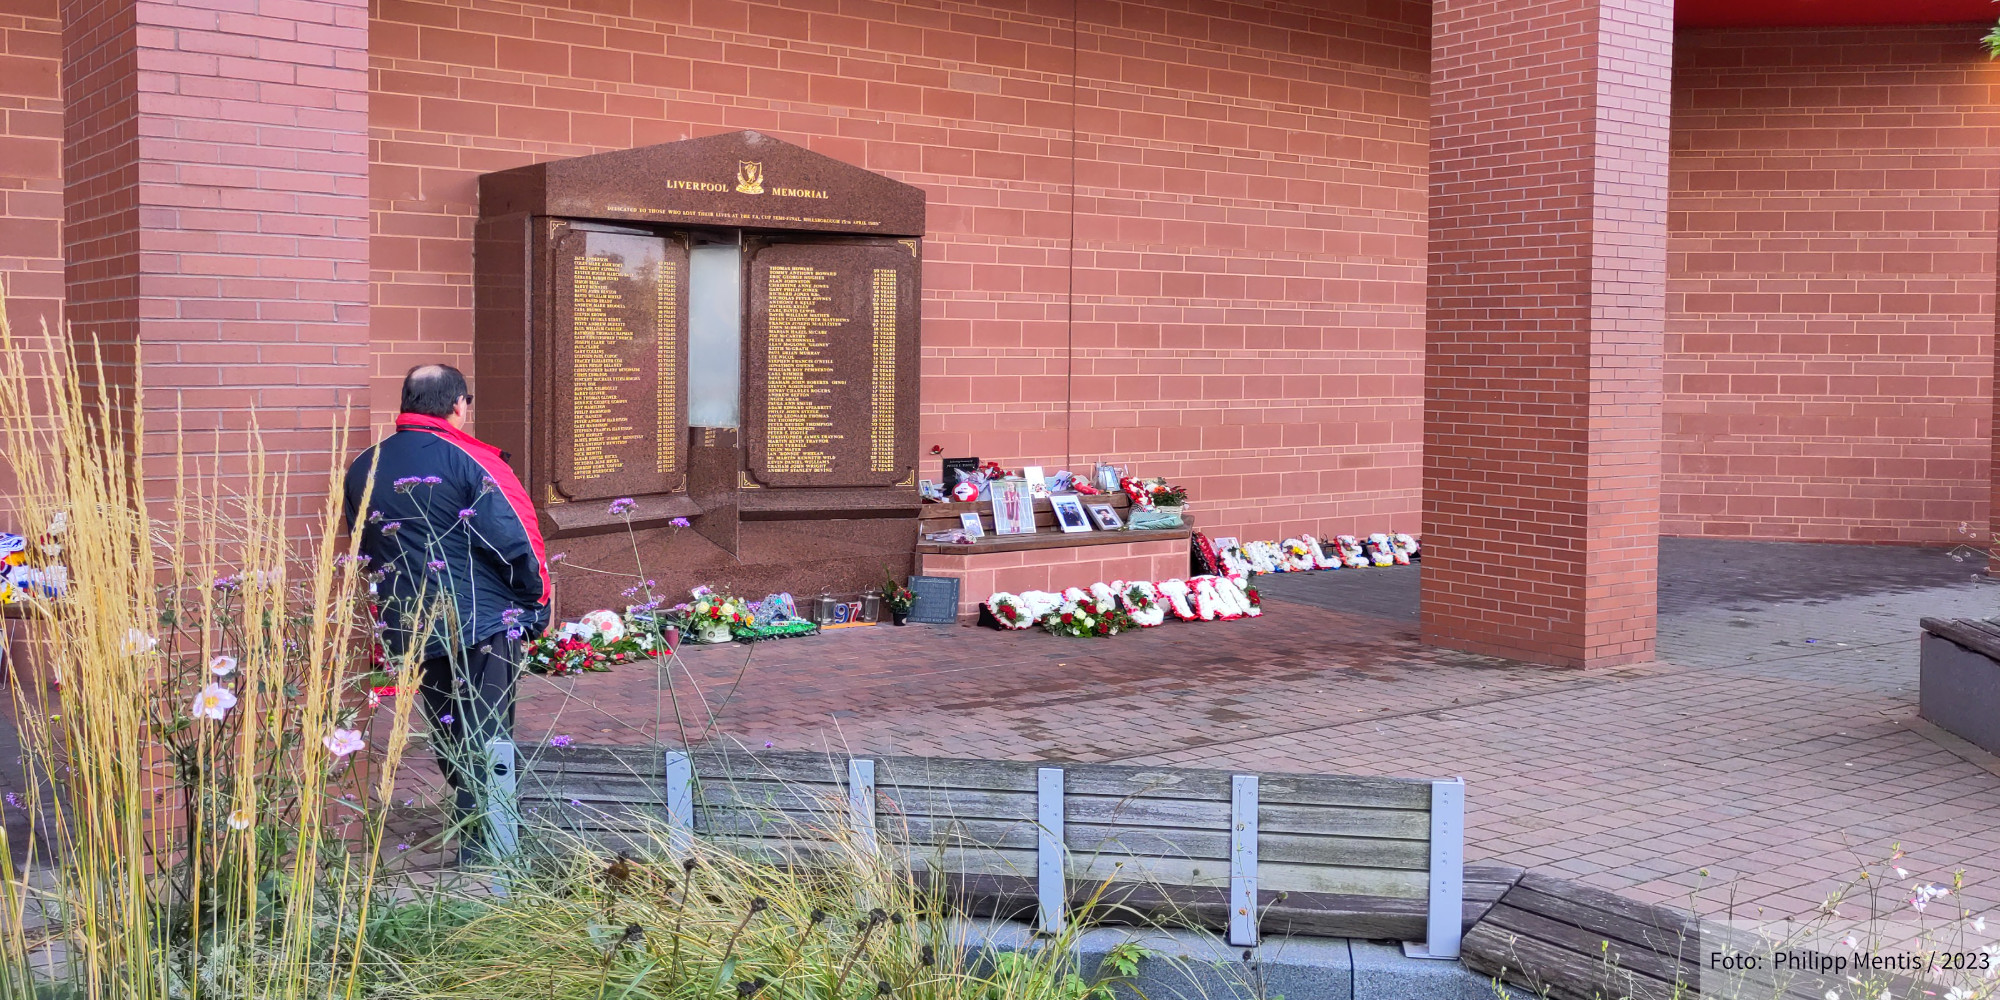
<point x="983" y="574"/>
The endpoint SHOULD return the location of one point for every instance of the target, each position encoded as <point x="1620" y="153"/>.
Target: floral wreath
<point x="1009" y="611"/>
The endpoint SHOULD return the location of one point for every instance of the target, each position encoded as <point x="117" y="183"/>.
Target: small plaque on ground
<point x="937" y="600"/>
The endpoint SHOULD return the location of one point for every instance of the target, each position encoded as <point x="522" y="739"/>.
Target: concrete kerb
<point x="1199" y="965"/>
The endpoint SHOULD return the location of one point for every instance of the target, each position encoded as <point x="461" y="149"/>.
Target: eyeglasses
<point x="468" y="398"/>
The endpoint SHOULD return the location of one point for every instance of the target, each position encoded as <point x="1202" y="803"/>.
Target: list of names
<point x="798" y="377"/>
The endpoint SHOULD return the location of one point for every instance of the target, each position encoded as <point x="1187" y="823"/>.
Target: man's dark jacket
<point x="448" y="525"/>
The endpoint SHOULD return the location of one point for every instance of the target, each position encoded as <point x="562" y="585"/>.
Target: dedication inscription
<point x="830" y="366"/>
<point x="619" y="353"/>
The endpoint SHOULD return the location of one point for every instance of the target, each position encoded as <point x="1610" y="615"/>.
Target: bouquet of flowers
<point x="601" y="640"/>
<point x="1083" y="615"/>
<point x="714" y="617"/>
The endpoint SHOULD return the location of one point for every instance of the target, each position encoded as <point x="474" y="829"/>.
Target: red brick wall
<point x="31" y="204"/>
<point x="216" y="202"/>
<point x="31" y="198"/>
<point x="1831" y="310"/>
<point x="1546" y="290"/>
<point x="1247" y="210"/>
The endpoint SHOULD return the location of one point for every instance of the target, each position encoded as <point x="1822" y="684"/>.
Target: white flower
<point x="1832" y="995"/>
<point x="222" y="666"/>
<point x="342" y="742"/>
<point x="1979" y="924"/>
<point x="213" y="702"/>
<point x="1900" y="873"/>
<point x="240" y="819"/>
<point x="137" y="642"/>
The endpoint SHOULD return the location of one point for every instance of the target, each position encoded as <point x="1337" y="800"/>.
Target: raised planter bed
<point x="1959" y="679"/>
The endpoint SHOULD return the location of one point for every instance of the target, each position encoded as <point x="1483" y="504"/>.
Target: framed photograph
<point x="1225" y="543"/>
<point x="1069" y="512"/>
<point x="973" y="529"/>
<point x="1036" y="484"/>
<point x="927" y="489"/>
<point x="1106" y="517"/>
<point x="1013" y="508"/>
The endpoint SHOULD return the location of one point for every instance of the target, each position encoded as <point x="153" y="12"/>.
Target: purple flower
<point x="487" y="484"/>
<point x="402" y="847"/>
<point x="622" y="505"/>
<point x="374" y="517"/>
<point x="467" y="513"/>
<point x="445" y="718"/>
<point x="406" y="484"/>
<point x="630" y="592"/>
<point x="679" y="522"/>
<point x="558" y="557"/>
<point x="228" y="582"/>
<point x="13" y="800"/>
<point x="559" y="741"/>
<point x="392" y="527"/>
<point x="767" y="744"/>
<point x="435" y="565"/>
<point x="432" y="481"/>
<point x="576" y="802"/>
<point x="511" y="616"/>
<point x="516" y="633"/>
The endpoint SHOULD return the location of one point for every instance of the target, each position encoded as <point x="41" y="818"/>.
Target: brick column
<point x="216" y="203"/>
<point x="1546" y="310"/>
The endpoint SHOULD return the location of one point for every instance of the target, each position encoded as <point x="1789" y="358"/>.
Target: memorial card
<point x="973" y="529"/>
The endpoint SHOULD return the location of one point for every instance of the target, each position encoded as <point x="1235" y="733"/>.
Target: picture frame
<point x="970" y="521"/>
<point x="1070" y="515"/>
<point x="1106" y="517"/>
<point x="1013" y="508"/>
<point x="1036" y="483"/>
<point x="927" y="490"/>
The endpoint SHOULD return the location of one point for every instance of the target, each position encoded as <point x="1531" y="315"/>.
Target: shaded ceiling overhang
<point x="1830" y="13"/>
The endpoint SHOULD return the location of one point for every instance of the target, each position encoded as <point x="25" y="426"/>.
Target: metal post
<point x="503" y="813"/>
<point x="861" y="803"/>
<point x="1243" y="860"/>
<point x="680" y="804"/>
<point x="1051" y="893"/>
<point x="1446" y="921"/>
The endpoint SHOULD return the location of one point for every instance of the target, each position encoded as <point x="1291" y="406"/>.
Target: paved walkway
<point x="1774" y="745"/>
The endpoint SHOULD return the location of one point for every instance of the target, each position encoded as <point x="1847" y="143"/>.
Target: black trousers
<point x="470" y="704"/>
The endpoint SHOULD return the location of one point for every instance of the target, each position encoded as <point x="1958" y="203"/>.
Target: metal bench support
<point x="1243" y="860"/>
<point x="1051" y="892"/>
<point x="1447" y="903"/>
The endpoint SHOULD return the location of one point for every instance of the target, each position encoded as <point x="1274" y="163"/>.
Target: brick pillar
<point x="1546" y="310"/>
<point x="216" y="216"/>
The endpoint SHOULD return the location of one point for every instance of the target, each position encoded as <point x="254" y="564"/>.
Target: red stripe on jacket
<point x="502" y="475"/>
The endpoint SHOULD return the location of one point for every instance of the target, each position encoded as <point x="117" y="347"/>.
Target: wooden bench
<point x="1048" y="559"/>
<point x="1559" y="939"/>
<point x="1320" y="854"/>
<point x="1958" y="683"/>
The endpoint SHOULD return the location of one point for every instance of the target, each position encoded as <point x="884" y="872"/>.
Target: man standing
<point x="454" y="535"/>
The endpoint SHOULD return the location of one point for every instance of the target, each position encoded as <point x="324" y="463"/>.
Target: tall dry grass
<point x="176" y="838"/>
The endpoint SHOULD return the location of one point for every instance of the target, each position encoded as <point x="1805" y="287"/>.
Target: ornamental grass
<point x="212" y="748"/>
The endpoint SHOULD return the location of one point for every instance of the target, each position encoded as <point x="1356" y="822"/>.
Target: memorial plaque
<point x="830" y="364"/>
<point x="618" y="358"/>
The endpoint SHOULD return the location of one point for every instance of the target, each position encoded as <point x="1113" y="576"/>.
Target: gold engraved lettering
<point x="798" y="391"/>
<point x="597" y="331"/>
<point x="666" y="333"/>
<point x="882" y="440"/>
<point x="749" y="177"/>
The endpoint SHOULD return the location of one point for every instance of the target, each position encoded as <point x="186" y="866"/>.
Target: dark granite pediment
<point x="744" y="180"/>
